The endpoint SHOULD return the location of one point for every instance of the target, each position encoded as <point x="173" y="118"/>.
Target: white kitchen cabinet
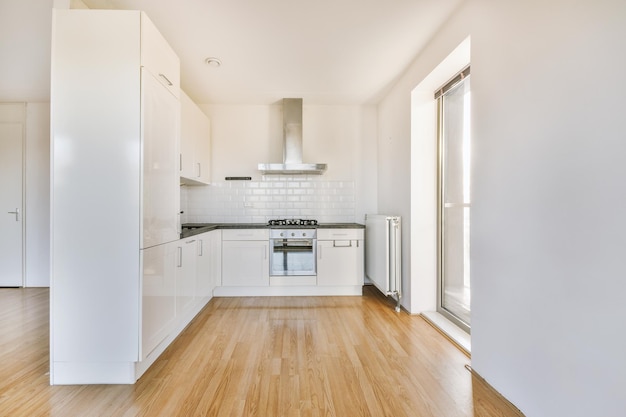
<point x="158" y="294"/>
<point x="216" y="258"/>
<point x="161" y="192"/>
<point x="186" y="272"/>
<point x="340" y="257"/>
<point x="204" y="281"/>
<point x="178" y="281"/>
<point x="114" y="188"/>
<point x="195" y="149"/>
<point x="209" y="264"/>
<point x="245" y="258"/>
<point x="158" y="58"/>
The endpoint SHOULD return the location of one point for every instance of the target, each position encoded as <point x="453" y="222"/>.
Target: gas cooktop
<point x="292" y="222"/>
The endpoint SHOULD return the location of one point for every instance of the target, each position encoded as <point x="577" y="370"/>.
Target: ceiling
<point x="325" y="51"/>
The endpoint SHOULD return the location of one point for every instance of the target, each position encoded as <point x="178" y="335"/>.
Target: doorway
<point x="12" y="127"/>
<point x="454" y="203"/>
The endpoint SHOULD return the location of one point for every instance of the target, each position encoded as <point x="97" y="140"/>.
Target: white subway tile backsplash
<point x="271" y="198"/>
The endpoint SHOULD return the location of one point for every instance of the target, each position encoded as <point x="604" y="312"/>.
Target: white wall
<point x="25" y="77"/>
<point x="397" y="169"/>
<point x="548" y="231"/>
<point x="548" y="220"/>
<point x="25" y="27"/>
<point x="37" y="192"/>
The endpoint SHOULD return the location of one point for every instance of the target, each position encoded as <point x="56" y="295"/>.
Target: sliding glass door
<point x="454" y="200"/>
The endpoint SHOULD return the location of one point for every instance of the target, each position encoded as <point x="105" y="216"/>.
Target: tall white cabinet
<point x="114" y="147"/>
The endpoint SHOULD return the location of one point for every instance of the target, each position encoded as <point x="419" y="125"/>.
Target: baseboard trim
<point x="457" y="336"/>
<point x="478" y="378"/>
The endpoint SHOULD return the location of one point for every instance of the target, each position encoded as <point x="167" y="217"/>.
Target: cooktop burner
<point x="292" y="222"/>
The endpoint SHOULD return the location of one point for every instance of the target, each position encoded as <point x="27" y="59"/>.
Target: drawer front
<point x="245" y="234"/>
<point x="340" y="234"/>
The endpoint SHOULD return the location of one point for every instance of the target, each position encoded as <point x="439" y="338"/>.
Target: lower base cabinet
<point x="246" y="269"/>
<point x="245" y="254"/>
<point x="208" y="263"/>
<point x="340" y="257"/>
<point x="158" y="294"/>
<point x="186" y="275"/>
<point x="178" y="280"/>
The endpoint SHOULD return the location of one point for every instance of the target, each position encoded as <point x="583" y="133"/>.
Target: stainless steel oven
<point x="293" y="251"/>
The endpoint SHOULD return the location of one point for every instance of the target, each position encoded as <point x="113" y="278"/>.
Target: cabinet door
<point x="339" y="262"/>
<point x="245" y="263"/>
<point x="204" y="281"/>
<point x="186" y="275"/>
<point x="216" y="258"/>
<point x="160" y="130"/>
<point x="158" y="294"/>
<point x="158" y="57"/>
<point x="203" y="151"/>
<point x="195" y="143"/>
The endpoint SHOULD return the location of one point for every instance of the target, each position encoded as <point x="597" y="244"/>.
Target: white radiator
<point x="383" y="261"/>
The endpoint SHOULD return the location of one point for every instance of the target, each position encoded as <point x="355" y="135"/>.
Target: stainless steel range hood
<point x="292" y="145"/>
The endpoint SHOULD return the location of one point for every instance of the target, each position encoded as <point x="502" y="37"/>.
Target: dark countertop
<point x="192" y="229"/>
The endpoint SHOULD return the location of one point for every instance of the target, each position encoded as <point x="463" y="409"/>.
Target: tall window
<point x="454" y="199"/>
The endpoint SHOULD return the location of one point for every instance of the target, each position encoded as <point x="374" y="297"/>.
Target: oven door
<point x="292" y="256"/>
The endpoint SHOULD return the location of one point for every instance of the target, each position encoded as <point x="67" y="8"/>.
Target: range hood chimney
<point x="292" y="144"/>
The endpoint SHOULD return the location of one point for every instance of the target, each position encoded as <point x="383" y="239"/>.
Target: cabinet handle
<point x="199" y="170"/>
<point x="338" y="244"/>
<point x="201" y="247"/>
<point x="17" y="214"/>
<point x="180" y="161"/>
<point x="180" y="257"/>
<point x="166" y="79"/>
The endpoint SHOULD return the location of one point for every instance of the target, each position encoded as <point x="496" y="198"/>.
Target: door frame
<point x="441" y="309"/>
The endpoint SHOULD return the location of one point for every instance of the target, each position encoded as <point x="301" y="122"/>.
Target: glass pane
<point x="455" y="204"/>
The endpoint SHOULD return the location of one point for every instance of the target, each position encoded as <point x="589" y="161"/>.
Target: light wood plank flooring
<point x="259" y="356"/>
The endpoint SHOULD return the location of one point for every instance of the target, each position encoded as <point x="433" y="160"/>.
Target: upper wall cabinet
<point x="158" y="58"/>
<point x="195" y="143"/>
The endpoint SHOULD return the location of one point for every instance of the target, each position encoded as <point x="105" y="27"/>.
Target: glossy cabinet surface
<point x="158" y="57"/>
<point x="158" y="294"/>
<point x="204" y="282"/>
<point x="112" y="134"/>
<point x="340" y="257"/>
<point x="186" y="274"/>
<point x="209" y="263"/>
<point x="195" y="140"/>
<point x="245" y="265"/>
<point x="161" y="199"/>
<point x="245" y="258"/>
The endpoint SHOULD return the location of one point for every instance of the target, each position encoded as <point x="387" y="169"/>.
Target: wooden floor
<point x="258" y="356"/>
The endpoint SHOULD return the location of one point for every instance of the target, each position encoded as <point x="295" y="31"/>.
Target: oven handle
<point x="292" y="248"/>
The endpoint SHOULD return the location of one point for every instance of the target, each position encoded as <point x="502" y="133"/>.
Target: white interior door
<point x="11" y="210"/>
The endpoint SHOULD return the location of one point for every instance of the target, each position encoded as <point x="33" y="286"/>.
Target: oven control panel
<point x="293" y="233"/>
